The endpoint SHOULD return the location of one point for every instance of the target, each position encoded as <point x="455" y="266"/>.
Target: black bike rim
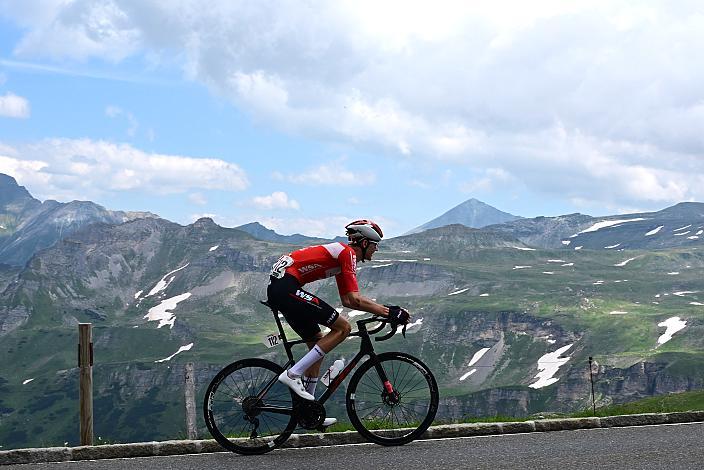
<point x="394" y="419"/>
<point x="235" y="416"/>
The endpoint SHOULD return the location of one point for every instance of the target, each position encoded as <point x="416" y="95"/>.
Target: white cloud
<point x="14" y="106"/>
<point x="115" y="112"/>
<point x="112" y="111"/>
<point x="198" y="198"/>
<point x="20" y="169"/>
<point x="330" y="226"/>
<point x="216" y="218"/>
<point x="58" y="169"/>
<point x="326" y="227"/>
<point x="600" y="101"/>
<point x="491" y="179"/>
<point x="76" y="30"/>
<point x="276" y="200"/>
<point x="420" y="184"/>
<point x="330" y="174"/>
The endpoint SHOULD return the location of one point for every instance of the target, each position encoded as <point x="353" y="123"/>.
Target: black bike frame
<point x="366" y="349"/>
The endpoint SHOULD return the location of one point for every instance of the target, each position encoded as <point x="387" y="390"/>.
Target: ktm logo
<point x="307" y="297"/>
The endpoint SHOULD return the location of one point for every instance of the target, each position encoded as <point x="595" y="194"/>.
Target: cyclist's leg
<point x="309" y="312"/>
<point x="339" y="330"/>
<point x="304" y="311"/>
<point x="313" y="372"/>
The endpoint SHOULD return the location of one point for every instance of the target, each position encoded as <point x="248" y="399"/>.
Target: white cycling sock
<point x="314" y="355"/>
<point x="310" y="384"/>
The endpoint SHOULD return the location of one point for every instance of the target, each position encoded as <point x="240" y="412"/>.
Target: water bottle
<point x="332" y="372"/>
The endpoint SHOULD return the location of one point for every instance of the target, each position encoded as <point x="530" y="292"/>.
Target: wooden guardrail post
<point x="85" y="387"/>
<point x="190" y="395"/>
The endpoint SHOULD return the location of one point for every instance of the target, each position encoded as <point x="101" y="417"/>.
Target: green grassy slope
<point x="140" y="399"/>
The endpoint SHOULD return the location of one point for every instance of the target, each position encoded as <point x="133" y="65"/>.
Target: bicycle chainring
<point x="309" y="414"/>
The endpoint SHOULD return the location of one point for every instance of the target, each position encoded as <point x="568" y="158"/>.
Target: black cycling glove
<point x="398" y="314"/>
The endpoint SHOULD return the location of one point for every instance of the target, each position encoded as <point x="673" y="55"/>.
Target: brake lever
<point x="403" y="330"/>
<point x="389" y="334"/>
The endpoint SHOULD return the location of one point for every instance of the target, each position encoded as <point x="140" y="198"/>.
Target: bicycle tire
<point x="418" y="397"/>
<point x="229" y="424"/>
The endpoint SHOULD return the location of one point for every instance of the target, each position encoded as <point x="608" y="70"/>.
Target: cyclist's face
<point x="371" y="249"/>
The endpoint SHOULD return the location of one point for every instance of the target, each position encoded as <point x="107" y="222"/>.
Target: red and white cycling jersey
<point x="319" y="262"/>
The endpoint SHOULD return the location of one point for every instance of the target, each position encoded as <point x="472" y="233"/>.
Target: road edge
<point x="181" y="447"/>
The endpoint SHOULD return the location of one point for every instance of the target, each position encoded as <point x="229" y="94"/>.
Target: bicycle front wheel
<point x="397" y="412"/>
<point x="238" y="418"/>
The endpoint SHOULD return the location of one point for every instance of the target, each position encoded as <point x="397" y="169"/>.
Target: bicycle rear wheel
<point x="240" y="421"/>
<point x="397" y="417"/>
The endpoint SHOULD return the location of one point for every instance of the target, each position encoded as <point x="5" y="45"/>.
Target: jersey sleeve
<point x="347" y="278"/>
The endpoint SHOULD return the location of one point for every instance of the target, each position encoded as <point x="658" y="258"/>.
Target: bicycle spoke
<point x="421" y="386"/>
<point x="399" y="384"/>
<point x="373" y="387"/>
<point x="398" y="418"/>
<point x="235" y="391"/>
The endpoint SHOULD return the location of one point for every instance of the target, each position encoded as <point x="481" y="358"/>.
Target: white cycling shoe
<point x="329" y="422"/>
<point x="296" y="385"/>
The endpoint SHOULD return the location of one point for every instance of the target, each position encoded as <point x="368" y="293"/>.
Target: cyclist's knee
<point x="342" y="326"/>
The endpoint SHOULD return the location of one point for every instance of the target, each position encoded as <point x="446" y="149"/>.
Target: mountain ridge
<point x="471" y="213"/>
<point x="28" y="225"/>
<point x="151" y="286"/>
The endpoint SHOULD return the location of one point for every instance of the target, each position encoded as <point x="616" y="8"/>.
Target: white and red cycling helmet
<point x="363" y="229"/>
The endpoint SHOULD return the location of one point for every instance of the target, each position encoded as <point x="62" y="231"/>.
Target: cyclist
<point x="305" y="311"/>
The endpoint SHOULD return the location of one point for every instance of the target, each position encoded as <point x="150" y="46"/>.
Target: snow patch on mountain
<point x="164" y="282"/>
<point x="623" y="263"/>
<point x="608" y="223"/>
<point x="180" y="350"/>
<point x="162" y="312"/>
<point x="672" y="325"/>
<point x="459" y="291"/>
<point x="654" y="231"/>
<point x="548" y="365"/>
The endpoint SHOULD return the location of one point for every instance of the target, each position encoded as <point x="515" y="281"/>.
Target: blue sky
<point x="305" y="115"/>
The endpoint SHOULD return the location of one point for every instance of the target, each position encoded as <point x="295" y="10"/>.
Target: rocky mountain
<point x="681" y="225"/>
<point x="453" y="241"/>
<point x="471" y="213"/>
<point x="506" y="328"/>
<point x="28" y="225"/>
<point x="506" y="316"/>
<point x="260" y="232"/>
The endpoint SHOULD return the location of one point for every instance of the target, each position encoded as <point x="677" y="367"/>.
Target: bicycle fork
<point x="389" y="395"/>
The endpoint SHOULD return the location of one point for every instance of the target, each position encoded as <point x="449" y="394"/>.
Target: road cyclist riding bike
<point x="253" y="405"/>
<point x="305" y="311"/>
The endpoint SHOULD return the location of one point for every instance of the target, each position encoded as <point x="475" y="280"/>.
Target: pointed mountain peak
<point x="11" y="192"/>
<point x="261" y="232"/>
<point x="471" y="213"/>
<point x="204" y="223"/>
<point x="7" y="180"/>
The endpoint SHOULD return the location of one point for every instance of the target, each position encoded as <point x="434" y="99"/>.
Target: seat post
<point x="281" y="329"/>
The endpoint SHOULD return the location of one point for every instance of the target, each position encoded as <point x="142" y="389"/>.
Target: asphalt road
<point x="646" y="447"/>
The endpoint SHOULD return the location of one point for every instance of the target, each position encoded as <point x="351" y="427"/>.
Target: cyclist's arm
<point x="357" y="301"/>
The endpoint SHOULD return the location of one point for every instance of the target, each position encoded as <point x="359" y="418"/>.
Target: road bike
<point x="391" y="398"/>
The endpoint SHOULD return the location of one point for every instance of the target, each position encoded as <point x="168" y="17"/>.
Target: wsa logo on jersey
<point x="307" y="297"/>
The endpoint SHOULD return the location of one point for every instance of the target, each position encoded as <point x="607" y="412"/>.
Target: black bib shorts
<point x="301" y="309"/>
